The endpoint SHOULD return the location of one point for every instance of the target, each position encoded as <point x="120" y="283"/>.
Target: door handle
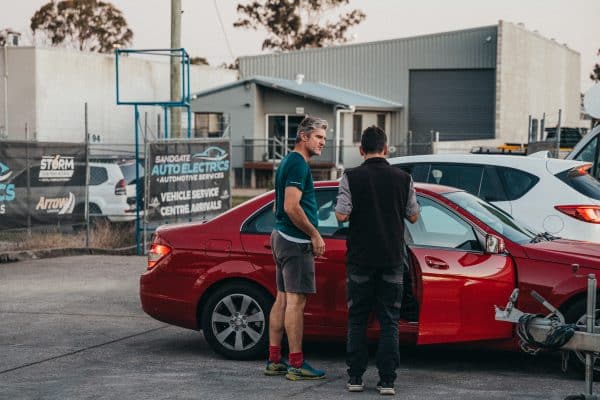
<point x="436" y="263"/>
<point x="267" y="244"/>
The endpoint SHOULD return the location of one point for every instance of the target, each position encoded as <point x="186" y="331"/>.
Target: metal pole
<point x="86" y="209"/>
<point x="590" y="323"/>
<point x="558" y="134"/>
<point x="137" y="178"/>
<point x="6" y="89"/>
<point x="176" y="66"/>
<point x="543" y="123"/>
<point x="28" y="179"/>
<point x="529" y="130"/>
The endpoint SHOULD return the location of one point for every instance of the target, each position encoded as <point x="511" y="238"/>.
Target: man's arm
<point x="294" y="211"/>
<point x="412" y="207"/>
<point x="343" y="205"/>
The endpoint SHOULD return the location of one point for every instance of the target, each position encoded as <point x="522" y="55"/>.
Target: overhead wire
<point x="223" y="29"/>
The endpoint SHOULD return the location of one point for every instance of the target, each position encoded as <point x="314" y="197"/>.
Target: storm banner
<point x="187" y="179"/>
<point x="41" y="183"/>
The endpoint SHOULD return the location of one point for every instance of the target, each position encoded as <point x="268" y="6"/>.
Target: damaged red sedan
<point x="465" y="256"/>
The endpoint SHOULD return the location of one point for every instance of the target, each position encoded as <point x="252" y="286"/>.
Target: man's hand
<point x="318" y="245"/>
<point x="342" y="217"/>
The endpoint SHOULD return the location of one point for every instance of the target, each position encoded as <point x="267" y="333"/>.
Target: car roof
<point x="583" y="142"/>
<point x="419" y="187"/>
<point x="551" y="165"/>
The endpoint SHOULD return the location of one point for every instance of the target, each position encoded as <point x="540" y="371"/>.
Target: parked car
<point x="549" y="195"/>
<point x="466" y="256"/>
<point x="63" y="199"/>
<point x="135" y="186"/>
<point x="587" y="150"/>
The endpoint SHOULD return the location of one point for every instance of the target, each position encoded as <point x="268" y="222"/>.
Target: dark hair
<point x="310" y="124"/>
<point x="373" y="140"/>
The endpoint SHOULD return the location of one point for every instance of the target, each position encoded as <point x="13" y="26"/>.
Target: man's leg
<point x="294" y="320"/>
<point x="276" y="320"/>
<point x="360" y="294"/>
<point x="389" y="300"/>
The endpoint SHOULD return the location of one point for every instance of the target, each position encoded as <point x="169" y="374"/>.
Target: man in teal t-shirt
<point x="295" y="242"/>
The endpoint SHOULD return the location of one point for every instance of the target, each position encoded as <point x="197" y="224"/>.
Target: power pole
<point x="175" y="68"/>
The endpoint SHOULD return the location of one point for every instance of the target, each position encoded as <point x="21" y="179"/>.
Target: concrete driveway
<point x="72" y="328"/>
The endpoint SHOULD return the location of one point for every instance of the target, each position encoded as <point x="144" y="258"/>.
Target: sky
<point x="573" y="22"/>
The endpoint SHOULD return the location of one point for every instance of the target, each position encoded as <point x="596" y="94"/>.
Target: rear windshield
<point x="584" y="184"/>
<point x="128" y="170"/>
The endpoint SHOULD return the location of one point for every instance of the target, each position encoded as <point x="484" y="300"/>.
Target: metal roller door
<point x="457" y="103"/>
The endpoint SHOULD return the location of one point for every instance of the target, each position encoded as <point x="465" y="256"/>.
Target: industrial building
<point x="444" y="92"/>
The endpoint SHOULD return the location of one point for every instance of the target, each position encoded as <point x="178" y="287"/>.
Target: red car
<point x="465" y="257"/>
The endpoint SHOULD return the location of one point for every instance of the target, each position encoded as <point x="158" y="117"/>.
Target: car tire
<point x="575" y="314"/>
<point x="235" y="321"/>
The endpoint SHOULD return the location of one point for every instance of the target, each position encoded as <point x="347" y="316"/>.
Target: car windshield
<point x="492" y="216"/>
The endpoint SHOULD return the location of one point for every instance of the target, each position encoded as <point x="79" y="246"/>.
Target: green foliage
<point x="296" y="24"/>
<point x="89" y="25"/>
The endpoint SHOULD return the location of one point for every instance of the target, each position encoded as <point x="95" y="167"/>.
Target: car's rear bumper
<point x="167" y="309"/>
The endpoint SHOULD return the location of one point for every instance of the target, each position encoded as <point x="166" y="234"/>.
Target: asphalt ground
<point x="72" y="328"/>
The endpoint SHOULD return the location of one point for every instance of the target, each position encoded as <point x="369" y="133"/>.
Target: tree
<point x="198" y="61"/>
<point x="296" y="24"/>
<point x="89" y="25"/>
<point x="595" y="75"/>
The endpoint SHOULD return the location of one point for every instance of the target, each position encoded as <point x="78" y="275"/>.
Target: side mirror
<point x="494" y="244"/>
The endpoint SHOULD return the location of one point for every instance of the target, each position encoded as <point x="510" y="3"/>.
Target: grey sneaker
<point x="355" y="384"/>
<point x="386" y="388"/>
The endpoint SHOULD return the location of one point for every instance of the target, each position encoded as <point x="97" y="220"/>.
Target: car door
<point x="459" y="283"/>
<point x="327" y="306"/>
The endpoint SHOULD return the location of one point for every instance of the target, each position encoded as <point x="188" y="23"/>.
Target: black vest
<point x="379" y="197"/>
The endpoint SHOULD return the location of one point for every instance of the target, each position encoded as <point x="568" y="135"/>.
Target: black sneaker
<point x="386" y="388"/>
<point x="355" y="384"/>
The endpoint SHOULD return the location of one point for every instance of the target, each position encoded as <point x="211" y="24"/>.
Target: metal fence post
<point x="558" y="134"/>
<point x="27" y="167"/>
<point x="86" y="205"/>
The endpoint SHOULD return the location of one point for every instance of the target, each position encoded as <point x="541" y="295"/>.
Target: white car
<point x="549" y="195"/>
<point x="108" y="193"/>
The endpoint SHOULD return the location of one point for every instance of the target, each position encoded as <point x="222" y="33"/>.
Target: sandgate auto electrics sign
<point x="188" y="179"/>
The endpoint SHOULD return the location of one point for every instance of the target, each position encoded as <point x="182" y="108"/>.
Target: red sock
<point x="275" y="354"/>
<point x="296" y="359"/>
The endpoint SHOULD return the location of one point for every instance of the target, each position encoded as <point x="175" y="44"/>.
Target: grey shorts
<point x="294" y="265"/>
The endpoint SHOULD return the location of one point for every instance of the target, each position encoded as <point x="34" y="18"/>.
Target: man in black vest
<point x="376" y="198"/>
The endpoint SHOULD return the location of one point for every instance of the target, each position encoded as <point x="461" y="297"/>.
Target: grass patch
<point x="103" y="236"/>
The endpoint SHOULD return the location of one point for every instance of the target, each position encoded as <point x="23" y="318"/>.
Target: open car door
<point x="459" y="284"/>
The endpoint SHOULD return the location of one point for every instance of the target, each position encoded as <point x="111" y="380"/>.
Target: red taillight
<point x="578" y="171"/>
<point x="157" y="251"/>
<point x="589" y="214"/>
<point x="121" y="187"/>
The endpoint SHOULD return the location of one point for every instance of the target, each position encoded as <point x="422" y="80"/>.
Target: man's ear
<point x="385" y="150"/>
<point x="362" y="152"/>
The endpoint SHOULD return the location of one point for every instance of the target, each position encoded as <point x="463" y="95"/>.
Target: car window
<point x="493" y="217"/>
<point x="516" y="182"/>
<point x="588" y="153"/>
<point x="418" y="172"/>
<point x="584" y="183"/>
<point x="462" y="176"/>
<point x="264" y="220"/>
<point x="491" y="185"/>
<point x="98" y="175"/>
<point x="439" y="227"/>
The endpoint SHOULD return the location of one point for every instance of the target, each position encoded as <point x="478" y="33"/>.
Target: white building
<point x="43" y="94"/>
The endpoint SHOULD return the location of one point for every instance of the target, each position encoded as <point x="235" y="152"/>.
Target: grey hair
<point x="310" y="124"/>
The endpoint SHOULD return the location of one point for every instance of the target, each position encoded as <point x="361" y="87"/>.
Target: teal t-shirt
<point x="294" y="171"/>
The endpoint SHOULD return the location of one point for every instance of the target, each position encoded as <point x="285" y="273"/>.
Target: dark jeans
<point x="378" y="289"/>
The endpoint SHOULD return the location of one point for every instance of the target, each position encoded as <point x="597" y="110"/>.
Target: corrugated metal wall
<point x="382" y="68"/>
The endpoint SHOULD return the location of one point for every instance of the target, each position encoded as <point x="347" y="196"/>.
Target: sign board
<point x="187" y="179"/>
<point x="44" y="182"/>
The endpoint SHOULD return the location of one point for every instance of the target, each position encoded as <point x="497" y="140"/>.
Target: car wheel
<point x="577" y="314"/>
<point x="235" y="321"/>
